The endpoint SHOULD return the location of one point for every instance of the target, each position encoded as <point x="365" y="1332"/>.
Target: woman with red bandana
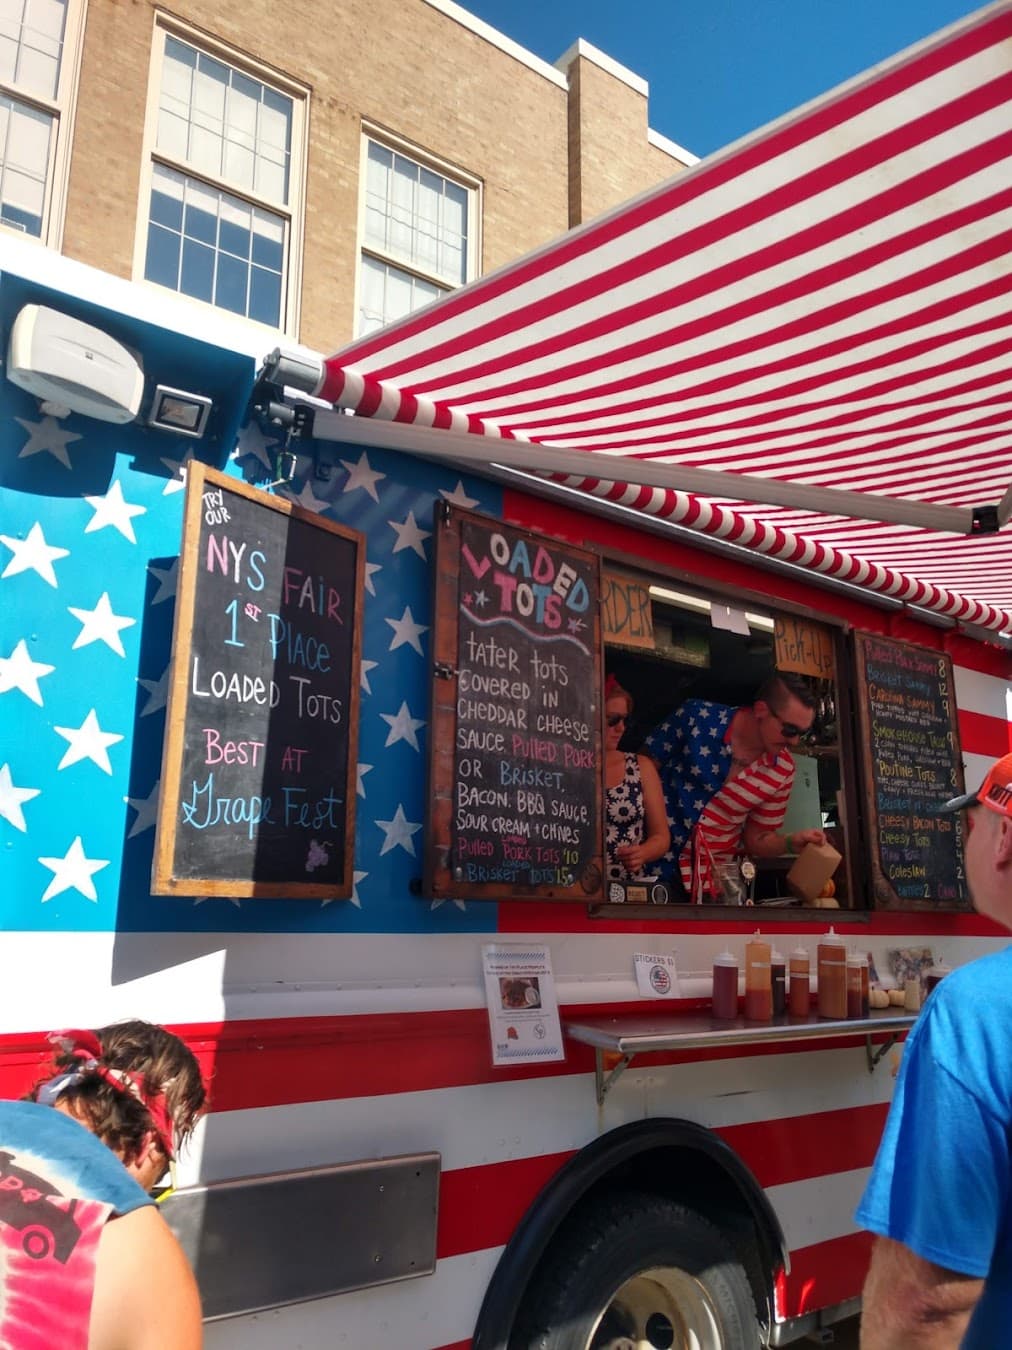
<point x="86" y="1260"/>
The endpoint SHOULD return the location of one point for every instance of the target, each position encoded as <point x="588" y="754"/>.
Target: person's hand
<point x="800" y="838"/>
<point x="633" y="857"/>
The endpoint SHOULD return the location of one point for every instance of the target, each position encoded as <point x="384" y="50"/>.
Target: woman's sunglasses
<point x="615" y="718"/>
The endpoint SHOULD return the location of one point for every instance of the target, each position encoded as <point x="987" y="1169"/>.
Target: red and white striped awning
<point x="825" y="306"/>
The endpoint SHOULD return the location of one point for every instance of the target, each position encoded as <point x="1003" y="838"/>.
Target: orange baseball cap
<point x="995" y="792"/>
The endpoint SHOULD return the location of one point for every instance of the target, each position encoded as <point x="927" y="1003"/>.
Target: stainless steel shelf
<point x="635" y="1035"/>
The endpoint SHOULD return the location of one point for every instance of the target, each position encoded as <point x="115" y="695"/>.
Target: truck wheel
<point x="639" y="1272"/>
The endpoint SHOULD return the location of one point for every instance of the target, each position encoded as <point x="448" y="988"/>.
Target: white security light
<point x="176" y="410"/>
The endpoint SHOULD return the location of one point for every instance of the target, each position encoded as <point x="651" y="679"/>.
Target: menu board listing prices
<point x="263" y="699"/>
<point x="914" y="759"/>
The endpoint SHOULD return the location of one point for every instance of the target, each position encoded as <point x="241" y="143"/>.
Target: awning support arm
<point x="436" y="443"/>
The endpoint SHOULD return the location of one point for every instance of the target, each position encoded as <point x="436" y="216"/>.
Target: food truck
<point x="302" y="666"/>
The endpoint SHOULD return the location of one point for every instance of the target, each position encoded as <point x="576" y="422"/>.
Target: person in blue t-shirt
<point x="940" y="1193"/>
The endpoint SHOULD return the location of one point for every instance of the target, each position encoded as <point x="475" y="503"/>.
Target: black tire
<point x="638" y="1271"/>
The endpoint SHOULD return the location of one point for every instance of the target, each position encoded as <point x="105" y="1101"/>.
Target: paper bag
<point x="812" y="868"/>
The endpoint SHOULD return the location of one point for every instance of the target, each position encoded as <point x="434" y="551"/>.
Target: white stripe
<point x="489" y="1123"/>
<point x="879" y="350"/>
<point x="754" y="328"/>
<point x="738" y="192"/>
<point x="435" y="1310"/>
<point x="204" y="977"/>
<point x="979" y="693"/>
<point x="819" y="1209"/>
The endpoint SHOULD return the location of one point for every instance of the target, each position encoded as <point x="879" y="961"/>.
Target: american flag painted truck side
<point x="337" y="1031"/>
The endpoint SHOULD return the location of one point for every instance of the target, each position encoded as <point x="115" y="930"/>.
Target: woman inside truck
<point x="636" y="827"/>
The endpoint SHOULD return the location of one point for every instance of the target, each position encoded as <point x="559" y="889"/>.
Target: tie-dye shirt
<point x="59" y="1186"/>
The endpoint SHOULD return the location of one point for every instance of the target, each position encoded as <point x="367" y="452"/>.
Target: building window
<point x="39" y="49"/>
<point x="224" y="198"/>
<point x="418" y="235"/>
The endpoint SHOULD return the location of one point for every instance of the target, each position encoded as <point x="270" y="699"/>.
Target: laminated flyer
<point x="523" y="1011"/>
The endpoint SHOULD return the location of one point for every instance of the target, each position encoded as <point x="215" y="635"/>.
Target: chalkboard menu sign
<point x="258" y="780"/>
<point x="913" y="764"/>
<point x="515" y="761"/>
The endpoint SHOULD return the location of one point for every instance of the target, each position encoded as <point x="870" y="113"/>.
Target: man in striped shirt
<point x="727" y="775"/>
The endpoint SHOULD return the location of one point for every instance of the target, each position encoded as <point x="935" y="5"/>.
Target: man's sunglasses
<point x="790" y="729"/>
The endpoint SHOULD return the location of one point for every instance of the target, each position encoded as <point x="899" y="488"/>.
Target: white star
<point x="19" y="671"/>
<point x="113" y="510"/>
<point x="11" y="798"/>
<point x="88" y="741"/>
<point x="158" y="692"/>
<point x="168" y="580"/>
<point x="406" y="631"/>
<point x="33" y="553"/>
<point x="177" y="469"/>
<point x="356" y="877"/>
<point x="364" y="669"/>
<point x="402" y="727"/>
<point x="370" y="568"/>
<point x="360" y="475"/>
<point x="458" y="497"/>
<point x="409" y="535"/>
<point x="307" y="498"/>
<point x="459" y="903"/>
<point x="100" y="625"/>
<point x="254" y="444"/>
<point x="73" y="870"/>
<point x="47" y="435"/>
<point x="398" y="832"/>
<point x="147" y="811"/>
<point x="361" y="771"/>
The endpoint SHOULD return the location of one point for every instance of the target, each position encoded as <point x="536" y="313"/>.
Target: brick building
<point x="322" y="169"/>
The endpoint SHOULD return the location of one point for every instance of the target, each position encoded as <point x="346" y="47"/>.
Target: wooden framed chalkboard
<point x="258" y="775"/>
<point x="912" y="763"/>
<point x="515" y="762"/>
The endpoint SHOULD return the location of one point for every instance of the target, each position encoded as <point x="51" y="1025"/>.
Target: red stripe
<point x="981" y="734"/>
<point x="792" y="384"/>
<point x="826" y="1273"/>
<point x="668" y="302"/>
<point x="284" y="1061"/>
<point x="799" y="1147"/>
<point x="480" y="1207"/>
<point x="694" y="185"/>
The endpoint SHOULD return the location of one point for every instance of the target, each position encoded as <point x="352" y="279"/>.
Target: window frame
<point x="711" y="590"/>
<point x="62" y="108"/>
<point x="292" y="213"/>
<point x="468" y="182"/>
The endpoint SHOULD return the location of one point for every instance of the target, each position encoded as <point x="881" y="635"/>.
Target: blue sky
<point x="718" y="69"/>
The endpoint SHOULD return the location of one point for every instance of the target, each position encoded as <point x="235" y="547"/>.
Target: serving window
<point x="668" y="644"/>
<point x="533" y="634"/>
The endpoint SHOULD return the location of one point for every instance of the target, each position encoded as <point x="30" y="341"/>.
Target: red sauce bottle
<point x="778" y="973"/>
<point x="725" y="986"/>
<point x="855" y="985"/>
<point x="758" y="980"/>
<point x="831" y="956"/>
<point x="801" y="983"/>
